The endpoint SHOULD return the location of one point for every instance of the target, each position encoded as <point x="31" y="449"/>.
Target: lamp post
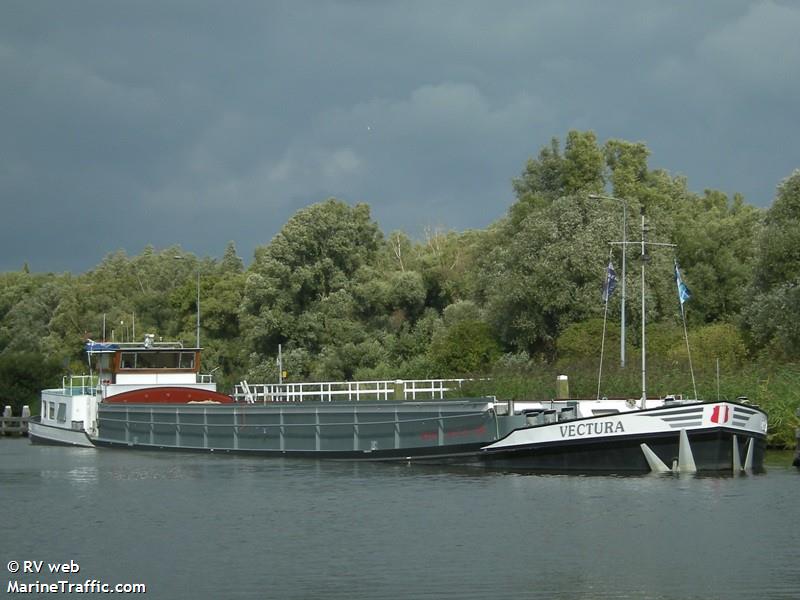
<point x="624" y="244"/>
<point x="197" y="337"/>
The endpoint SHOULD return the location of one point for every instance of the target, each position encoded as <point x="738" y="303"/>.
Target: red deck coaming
<point x="168" y="395"/>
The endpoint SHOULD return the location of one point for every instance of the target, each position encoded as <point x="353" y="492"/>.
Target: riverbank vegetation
<point x="519" y="301"/>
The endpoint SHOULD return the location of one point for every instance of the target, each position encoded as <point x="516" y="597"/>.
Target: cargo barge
<point x="153" y="396"/>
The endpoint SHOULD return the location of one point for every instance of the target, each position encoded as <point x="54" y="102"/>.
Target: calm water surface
<point x="210" y="526"/>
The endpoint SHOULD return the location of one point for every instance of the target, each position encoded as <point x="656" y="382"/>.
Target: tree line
<point x="346" y="300"/>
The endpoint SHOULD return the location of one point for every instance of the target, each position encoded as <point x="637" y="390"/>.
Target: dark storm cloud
<point x="134" y="123"/>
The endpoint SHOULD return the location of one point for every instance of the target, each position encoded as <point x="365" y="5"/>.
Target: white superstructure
<point x="68" y="414"/>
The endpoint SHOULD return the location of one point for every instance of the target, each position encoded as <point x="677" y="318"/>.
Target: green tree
<point x="299" y="289"/>
<point x="22" y="377"/>
<point x="220" y="300"/>
<point x="446" y="261"/>
<point x="30" y="307"/>
<point x="779" y="246"/>
<point x="579" y="171"/>
<point x="627" y="163"/>
<point x="584" y="164"/>
<point x="544" y="271"/>
<point x="231" y="263"/>
<point x="717" y="243"/>
<point x="772" y="318"/>
<point x="542" y="177"/>
<point x="466" y="347"/>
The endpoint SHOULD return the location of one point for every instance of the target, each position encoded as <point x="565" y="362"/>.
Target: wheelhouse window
<point x="102" y="362"/>
<point x="148" y="360"/>
<point x="62" y="413"/>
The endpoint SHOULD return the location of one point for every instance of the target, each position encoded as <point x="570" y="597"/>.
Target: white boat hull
<point x="719" y="433"/>
<point x="40" y="433"/>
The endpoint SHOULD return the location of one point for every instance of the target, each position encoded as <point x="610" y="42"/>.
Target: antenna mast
<point x="644" y="258"/>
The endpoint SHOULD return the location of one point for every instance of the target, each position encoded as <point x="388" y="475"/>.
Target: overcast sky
<point x="130" y="123"/>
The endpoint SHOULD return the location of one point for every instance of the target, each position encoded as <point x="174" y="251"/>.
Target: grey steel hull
<point x="441" y="432"/>
<point x="371" y="431"/>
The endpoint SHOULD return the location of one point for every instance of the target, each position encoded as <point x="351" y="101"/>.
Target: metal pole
<point x="644" y="346"/>
<point x="198" y="308"/>
<point x="624" y="246"/>
<point x="280" y="365"/>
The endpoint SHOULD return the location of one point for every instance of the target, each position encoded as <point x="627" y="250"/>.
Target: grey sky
<point x="195" y="123"/>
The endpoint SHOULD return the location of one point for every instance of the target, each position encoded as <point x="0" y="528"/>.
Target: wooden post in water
<point x="11" y="425"/>
<point x="5" y="422"/>
<point x="26" y="416"/>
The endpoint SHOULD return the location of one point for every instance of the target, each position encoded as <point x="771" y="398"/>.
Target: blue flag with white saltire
<point x="683" y="292"/>
<point x="610" y="283"/>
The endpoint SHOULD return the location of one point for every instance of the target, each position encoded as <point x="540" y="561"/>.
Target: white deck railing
<point x="328" y="391"/>
<point x="78" y="385"/>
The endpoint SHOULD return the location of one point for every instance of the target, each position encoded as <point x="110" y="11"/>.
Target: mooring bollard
<point x="562" y="387"/>
<point x="6" y="415"/>
<point x="26" y="416"/>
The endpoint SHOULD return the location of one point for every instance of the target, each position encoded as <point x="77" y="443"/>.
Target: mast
<point x="622" y="308"/>
<point x="644" y="258"/>
<point x="644" y="345"/>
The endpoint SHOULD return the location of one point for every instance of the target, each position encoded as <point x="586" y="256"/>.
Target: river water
<point x="211" y="526"/>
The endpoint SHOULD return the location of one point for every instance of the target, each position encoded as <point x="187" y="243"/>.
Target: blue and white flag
<point x="683" y="292"/>
<point x="610" y="283"/>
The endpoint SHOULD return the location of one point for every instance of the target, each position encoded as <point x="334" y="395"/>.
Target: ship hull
<point x="722" y="436"/>
<point x="50" y="435"/>
<point x="384" y="430"/>
<point x="712" y="450"/>
<point x="718" y="437"/>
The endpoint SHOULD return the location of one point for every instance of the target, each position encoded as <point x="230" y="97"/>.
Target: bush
<point x="23" y="375"/>
<point x="711" y="342"/>
<point x="463" y="348"/>
<point x="580" y="341"/>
